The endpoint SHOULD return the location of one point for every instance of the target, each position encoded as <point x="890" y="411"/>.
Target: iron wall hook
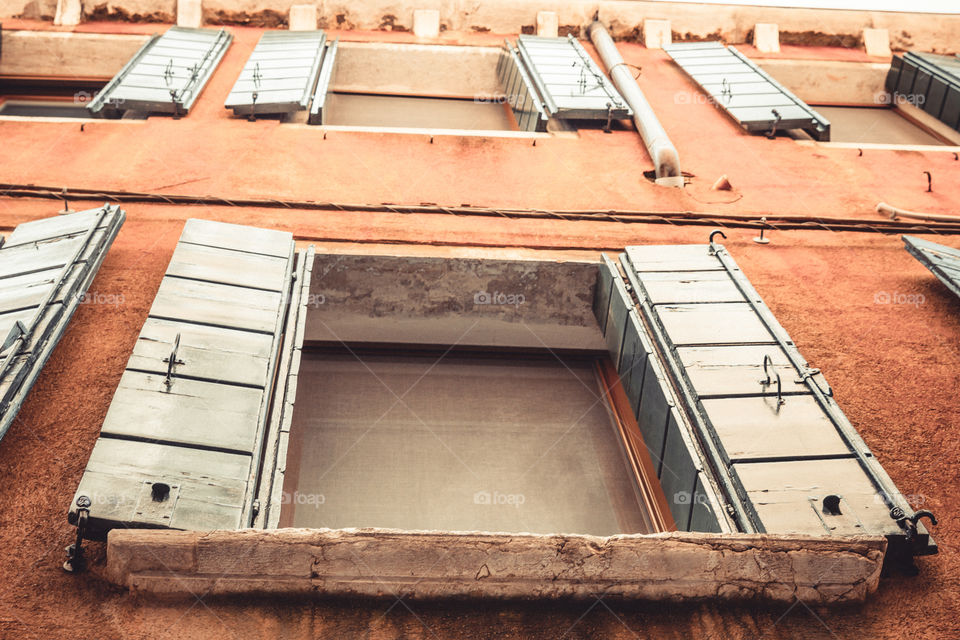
<point x="713" y="245"/>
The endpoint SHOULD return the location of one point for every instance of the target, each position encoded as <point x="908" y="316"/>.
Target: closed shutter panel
<point x="748" y="94"/>
<point x="693" y="499"/>
<point x="724" y="396"/>
<point x="928" y="81"/>
<point x="321" y="95"/>
<point x="182" y="442"/>
<point x="280" y="74"/>
<point x="520" y="94"/>
<point x="166" y="75"/>
<point x="46" y="267"/>
<point x="943" y="261"/>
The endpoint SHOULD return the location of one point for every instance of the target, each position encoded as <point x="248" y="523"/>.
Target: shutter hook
<point x="767" y="380"/>
<point x="66" y="203"/>
<point x="171" y="362"/>
<point x="766" y="359"/>
<point x="76" y="562"/>
<point x="776" y="120"/>
<point x="713" y="246"/>
<point x="606" y="129"/>
<point x="761" y="239"/>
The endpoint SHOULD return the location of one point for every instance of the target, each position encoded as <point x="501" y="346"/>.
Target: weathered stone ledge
<point x="382" y="562"/>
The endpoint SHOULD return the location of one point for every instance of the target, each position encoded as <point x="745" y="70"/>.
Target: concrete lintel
<point x="383" y="562"/>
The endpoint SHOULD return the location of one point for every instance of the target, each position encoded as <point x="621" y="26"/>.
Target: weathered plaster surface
<point x="733" y="23"/>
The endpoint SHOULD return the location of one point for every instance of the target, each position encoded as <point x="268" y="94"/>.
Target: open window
<point x="47" y="97"/>
<point x="651" y="393"/>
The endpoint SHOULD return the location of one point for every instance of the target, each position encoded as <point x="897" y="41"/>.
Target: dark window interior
<point x="473" y="442"/>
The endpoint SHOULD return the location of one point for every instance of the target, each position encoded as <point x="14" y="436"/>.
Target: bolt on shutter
<point x="943" y="261"/>
<point x="46" y="268"/>
<point x="774" y="440"/>
<point x="324" y="84"/>
<point x="181" y="444"/>
<point x="166" y="75"/>
<point x="746" y="92"/>
<point x="694" y="500"/>
<point x="280" y="74"/>
<point x="928" y="81"/>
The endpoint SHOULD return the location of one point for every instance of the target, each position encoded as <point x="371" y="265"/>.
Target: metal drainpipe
<point x="662" y="151"/>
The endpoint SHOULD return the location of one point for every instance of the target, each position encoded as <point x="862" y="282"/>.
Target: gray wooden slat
<point x="789" y="497"/>
<point x="167" y="73"/>
<point x="191" y="413"/>
<point x="737" y="370"/>
<point x="757" y="428"/>
<point x="209" y="353"/>
<point x="262" y="89"/>
<point x="733" y="81"/>
<point x="692" y="286"/>
<point x="226" y="266"/>
<point x="237" y="237"/>
<point x="702" y="324"/>
<point x="207" y="487"/>
<point x="216" y="304"/>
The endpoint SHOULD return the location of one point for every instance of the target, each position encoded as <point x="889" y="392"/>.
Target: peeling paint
<point x="268" y="18"/>
<point x="820" y="39"/>
<point x="107" y="13"/>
